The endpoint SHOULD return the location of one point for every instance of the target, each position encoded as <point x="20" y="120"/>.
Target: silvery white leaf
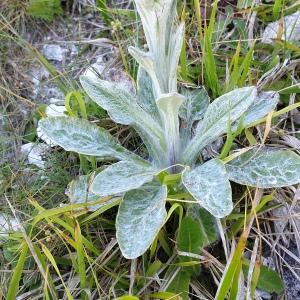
<point x="195" y="105"/>
<point x="141" y="215"/>
<point x="121" y="177"/>
<point x="175" y="45"/>
<point x="157" y="18"/>
<point x="145" y="60"/>
<point x="146" y="97"/>
<point x="79" y="191"/>
<point x="265" y="168"/>
<point x="262" y="105"/>
<point x="224" y="109"/>
<point x="123" y="108"/>
<point x="168" y="106"/>
<point x="209" y="185"/>
<point x="162" y="31"/>
<point x="80" y="136"/>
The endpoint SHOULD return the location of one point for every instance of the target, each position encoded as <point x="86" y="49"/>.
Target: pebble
<point x="54" y="52"/>
<point x="292" y="29"/>
<point x="34" y="153"/>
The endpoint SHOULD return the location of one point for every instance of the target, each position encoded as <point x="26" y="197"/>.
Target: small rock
<point x="74" y="50"/>
<point x="54" y="52"/>
<point x="213" y="149"/>
<point x="263" y="294"/>
<point x="102" y="69"/>
<point x="291" y="29"/>
<point x="7" y="224"/>
<point x="53" y="110"/>
<point x="59" y="102"/>
<point x="95" y="70"/>
<point x="34" y="153"/>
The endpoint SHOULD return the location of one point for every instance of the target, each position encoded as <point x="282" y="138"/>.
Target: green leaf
<point x="141" y="215"/>
<point x="123" y="108"/>
<point x="189" y="240"/>
<point x="194" y="106"/>
<point x="127" y="297"/>
<point x="80" y="136"/>
<point x="228" y="107"/>
<point x="266" y="168"/>
<point x="189" y="237"/>
<point x="79" y="191"/>
<point x="122" y="177"/>
<point x="206" y="224"/>
<point x="180" y="285"/>
<point x="268" y="280"/>
<point x="146" y="97"/>
<point x="263" y="104"/>
<point x="209" y="185"/>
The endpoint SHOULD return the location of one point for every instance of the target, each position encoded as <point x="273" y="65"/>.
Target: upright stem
<point x="168" y="105"/>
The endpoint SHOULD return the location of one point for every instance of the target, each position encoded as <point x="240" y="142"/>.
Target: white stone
<point x="34" y="152"/>
<point x="95" y="70"/>
<point x="291" y="29"/>
<point x="54" y="52"/>
<point x="7" y="224"/>
<point x="53" y="110"/>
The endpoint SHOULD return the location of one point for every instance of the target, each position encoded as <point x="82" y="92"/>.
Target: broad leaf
<point x="145" y="60"/>
<point x="268" y="279"/>
<point x="224" y="109"/>
<point x="121" y="177"/>
<point x="79" y="191"/>
<point x="180" y="285"/>
<point x="265" y="168"/>
<point x="192" y="110"/>
<point x="189" y="241"/>
<point x="206" y="222"/>
<point x="210" y="186"/>
<point x="146" y="97"/>
<point x="195" y="105"/>
<point x="80" y="136"/>
<point x="124" y="109"/>
<point x="263" y="104"/>
<point x="141" y="214"/>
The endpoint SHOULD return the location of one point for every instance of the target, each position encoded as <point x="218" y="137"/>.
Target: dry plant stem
<point x="31" y="248"/>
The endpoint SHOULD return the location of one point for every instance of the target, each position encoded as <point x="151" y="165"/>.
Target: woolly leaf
<point x="146" y="97"/>
<point x="194" y="107"/>
<point x="265" y="168"/>
<point x="168" y="105"/>
<point x="228" y="107"/>
<point x="80" y="136"/>
<point x="79" y="191"/>
<point x="121" y="177"/>
<point x="209" y="185"/>
<point x="263" y="104"/>
<point x="123" y="108"/>
<point x="141" y="214"/>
